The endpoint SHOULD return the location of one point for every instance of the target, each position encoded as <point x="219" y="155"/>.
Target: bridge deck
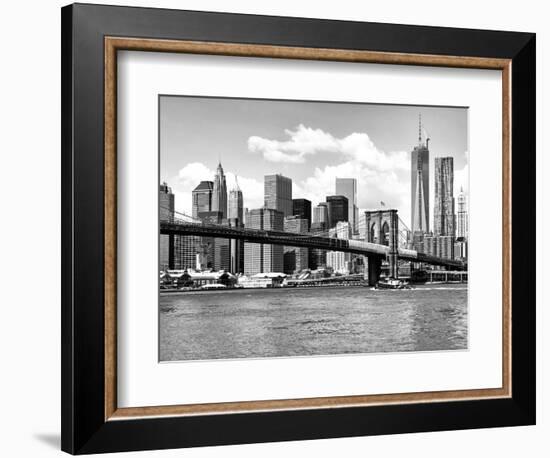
<point x="300" y="240"/>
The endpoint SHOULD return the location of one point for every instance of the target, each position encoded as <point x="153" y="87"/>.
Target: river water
<point x="311" y="321"/>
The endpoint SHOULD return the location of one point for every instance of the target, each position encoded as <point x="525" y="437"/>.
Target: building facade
<point x="219" y="192"/>
<point x="295" y="258"/>
<point x="420" y="185"/>
<point x="166" y="211"/>
<point x="348" y="187"/>
<point x="278" y="193"/>
<point x="337" y="208"/>
<point x="444" y="206"/>
<point x="235" y="209"/>
<point x="201" y="198"/>
<point x="302" y="209"/>
<point x="320" y="214"/>
<point x="441" y="246"/>
<point x="340" y="262"/>
<point x="258" y="257"/>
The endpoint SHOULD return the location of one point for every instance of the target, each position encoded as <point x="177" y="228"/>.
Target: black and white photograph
<point x="306" y="228"/>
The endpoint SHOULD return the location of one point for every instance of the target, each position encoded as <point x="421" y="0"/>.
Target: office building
<point x="444" y="205"/>
<point x="302" y="209"/>
<point x="166" y="211"/>
<point x="295" y="258"/>
<point x="340" y="262"/>
<point x="320" y="214"/>
<point x="219" y="192"/>
<point x="420" y="189"/>
<point x="235" y="208"/>
<point x="348" y="187"/>
<point x="201" y="198"/>
<point x="441" y="246"/>
<point x="337" y="208"/>
<point x="258" y="257"/>
<point x="278" y="193"/>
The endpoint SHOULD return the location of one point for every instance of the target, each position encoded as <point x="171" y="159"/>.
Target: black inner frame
<point x="84" y="429"/>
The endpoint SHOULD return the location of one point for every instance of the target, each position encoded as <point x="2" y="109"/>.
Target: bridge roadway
<point x="301" y="240"/>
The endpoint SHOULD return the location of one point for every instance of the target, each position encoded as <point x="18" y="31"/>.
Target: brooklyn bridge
<point x="382" y="225"/>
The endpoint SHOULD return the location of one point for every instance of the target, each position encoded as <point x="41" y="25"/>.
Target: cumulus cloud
<point x="381" y="176"/>
<point x="193" y="173"/>
<point x="305" y="141"/>
<point x="302" y="142"/>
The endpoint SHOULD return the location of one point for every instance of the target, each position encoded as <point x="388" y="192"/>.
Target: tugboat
<point x="392" y="283"/>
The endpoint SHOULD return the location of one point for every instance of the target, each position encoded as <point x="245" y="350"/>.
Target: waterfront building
<point x="444" y="207"/>
<point x="302" y="209"/>
<point x="201" y="198"/>
<point x="340" y="262"/>
<point x="462" y="216"/>
<point x="196" y="279"/>
<point x="295" y="258"/>
<point x="258" y="257"/>
<point x="348" y="187"/>
<point x="166" y="211"/>
<point x="278" y="193"/>
<point x="219" y="192"/>
<point x="337" y="207"/>
<point x="235" y="204"/>
<point x="262" y="280"/>
<point x="420" y="190"/>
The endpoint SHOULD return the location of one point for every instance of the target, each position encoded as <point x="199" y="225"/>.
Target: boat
<point x="392" y="283"/>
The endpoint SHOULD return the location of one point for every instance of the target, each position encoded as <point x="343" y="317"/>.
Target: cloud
<point x="381" y="176"/>
<point x="305" y="141"/>
<point x="192" y="174"/>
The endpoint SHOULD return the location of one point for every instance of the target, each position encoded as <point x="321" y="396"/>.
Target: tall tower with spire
<point x="235" y="203"/>
<point x="219" y="193"/>
<point x="420" y="190"/>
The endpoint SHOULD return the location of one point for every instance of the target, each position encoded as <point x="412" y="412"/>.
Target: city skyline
<point x="310" y="142"/>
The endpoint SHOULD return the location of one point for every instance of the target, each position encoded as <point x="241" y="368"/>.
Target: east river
<point x="311" y="321"/>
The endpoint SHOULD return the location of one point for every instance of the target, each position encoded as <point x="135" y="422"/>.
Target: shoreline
<point x="167" y="292"/>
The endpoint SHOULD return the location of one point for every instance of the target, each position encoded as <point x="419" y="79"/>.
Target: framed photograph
<point x="282" y="228"/>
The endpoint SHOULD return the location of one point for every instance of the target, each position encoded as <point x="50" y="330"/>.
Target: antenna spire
<point x="419" y="128"/>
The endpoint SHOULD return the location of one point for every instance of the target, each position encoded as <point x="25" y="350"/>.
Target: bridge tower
<point x="382" y="227"/>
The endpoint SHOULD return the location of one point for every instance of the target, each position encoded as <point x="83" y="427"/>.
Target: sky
<point x="310" y="142"/>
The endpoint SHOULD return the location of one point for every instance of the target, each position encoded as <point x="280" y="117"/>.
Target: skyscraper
<point x="337" y="210"/>
<point x="219" y="192"/>
<point x="444" y="204"/>
<point x="338" y="260"/>
<point x="302" y="209"/>
<point x="420" y="190"/>
<point x="319" y="227"/>
<point x="278" y="193"/>
<point x="295" y="258"/>
<point x="235" y="204"/>
<point x="320" y="214"/>
<point x="348" y="187"/>
<point x="260" y="257"/>
<point x="202" y="198"/>
<point x="166" y="211"/>
<point x="462" y="216"/>
<point x="235" y="218"/>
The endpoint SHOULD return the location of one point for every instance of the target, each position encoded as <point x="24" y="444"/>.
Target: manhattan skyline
<point x="310" y="142"/>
